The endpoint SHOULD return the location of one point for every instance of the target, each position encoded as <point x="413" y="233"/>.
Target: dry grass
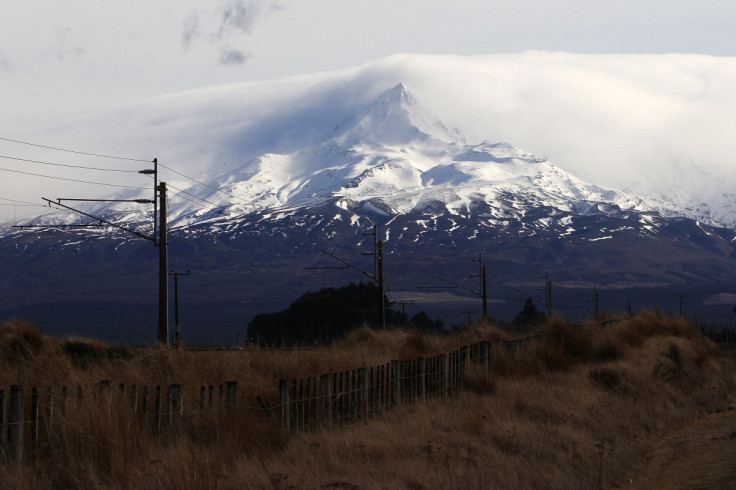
<point x="571" y="411"/>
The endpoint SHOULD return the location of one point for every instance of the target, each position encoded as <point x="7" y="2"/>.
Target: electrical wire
<point x="190" y="195"/>
<point x="14" y="202"/>
<point x="73" y="151"/>
<point x="71" y="180"/>
<point x="67" y="165"/>
<point x="218" y="190"/>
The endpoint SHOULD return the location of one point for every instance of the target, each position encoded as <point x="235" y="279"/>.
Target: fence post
<point x="395" y="383"/>
<point x="2" y="417"/>
<point x="284" y="401"/>
<point x="326" y="399"/>
<point x="64" y="399"/>
<point x="15" y="424"/>
<point x="34" y="420"/>
<point x="490" y="356"/>
<point x="485" y="355"/>
<point x="134" y="398"/>
<point x="202" y="391"/>
<point x="49" y="410"/>
<point x="422" y="378"/>
<point x="363" y="388"/>
<point x="232" y="394"/>
<point x="442" y="368"/>
<point x="299" y="403"/>
<point x="157" y="415"/>
<point x="146" y="391"/>
<point x="466" y="364"/>
<point x="373" y="390"/>
<point x="176" y="403"/>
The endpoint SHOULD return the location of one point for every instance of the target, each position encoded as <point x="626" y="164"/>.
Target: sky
<point x="64" y="64"/>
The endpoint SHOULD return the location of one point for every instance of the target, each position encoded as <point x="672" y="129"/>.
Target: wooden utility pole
<point x="548" y="293"/>
<point x="484" y="291"/>
<point x="176" y="303"/>
<point x="381" y="295"/>
<point x="163" y="271"/>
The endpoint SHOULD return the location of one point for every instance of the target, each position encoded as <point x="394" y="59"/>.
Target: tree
<point x="422" y="321"/>
<point x="529" y="315"/>
<point x="320" y="317"/>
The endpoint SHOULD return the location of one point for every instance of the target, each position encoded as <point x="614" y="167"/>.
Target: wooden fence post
<point x="363" y="388"/>
<point x="485" y="355"/>
<point x="442" y="368"/>
<point x="134" y="398"/>
<point x="15" y="424"/>
<point x="232" y="394"/>
<point x="341" y="396"/>
<point x="466" y="364"/>
<point x="284" y="401"/>
<point x="298" y="403"/>
<point x="176" y="403"/>
<point x="3" y="426"/>
<point x="64" y="399"/>
<point x="34" y="420"/>
<point x="202" y="391"/>
<point x="157" y="414"/>
<point x="144" y="408"/>
<point x="326" y="400"/>
<point x="421" y="379"/>
<point x="395" y="383"/>
<point x="49" y="410"/>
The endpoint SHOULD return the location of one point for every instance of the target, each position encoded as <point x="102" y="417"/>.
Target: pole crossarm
<point x="101" y="220"/>
<point x="91" y="225"/>
<point x="139" y="201"/>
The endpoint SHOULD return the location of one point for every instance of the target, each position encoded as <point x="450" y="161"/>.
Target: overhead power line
<point x="218" y="190"/>
<point x="71" y="180"/>
<point x="180" y="192"/>
<point x="73" y="151"/>
<point x="67" y="165"/>
<point x="15" y="202"/>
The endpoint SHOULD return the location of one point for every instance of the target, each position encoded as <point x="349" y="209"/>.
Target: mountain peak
<point x="395" y="119"/>
<point x="397" y="96"/>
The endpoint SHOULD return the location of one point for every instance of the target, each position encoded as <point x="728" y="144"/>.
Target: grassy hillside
<point x="574" y="410"/>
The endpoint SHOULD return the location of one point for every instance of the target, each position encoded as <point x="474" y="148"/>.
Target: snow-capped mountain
<point x="434" y="199"/>
<point x="394" y="157"/>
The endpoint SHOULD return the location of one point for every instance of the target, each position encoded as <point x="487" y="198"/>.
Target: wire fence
<point x="28" y="417"/>
<point x="358" y="394"/>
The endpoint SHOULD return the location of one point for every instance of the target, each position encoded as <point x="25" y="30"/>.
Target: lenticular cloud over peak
<point x="653" y="125"/>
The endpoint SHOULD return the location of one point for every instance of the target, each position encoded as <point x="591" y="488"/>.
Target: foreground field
<point x="584" y="407"/>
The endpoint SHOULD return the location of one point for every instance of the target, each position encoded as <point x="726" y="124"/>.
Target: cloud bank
<point x="652" y="124"/>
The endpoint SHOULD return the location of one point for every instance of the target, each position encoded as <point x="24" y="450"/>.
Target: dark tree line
<point x="320" y="316"/>
<point x="330" y="313"/>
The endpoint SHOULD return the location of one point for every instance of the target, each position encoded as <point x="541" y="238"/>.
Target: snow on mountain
<point x="394" y="155"/>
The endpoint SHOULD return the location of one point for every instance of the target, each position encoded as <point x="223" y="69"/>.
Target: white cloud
<point x="653" y="123"/>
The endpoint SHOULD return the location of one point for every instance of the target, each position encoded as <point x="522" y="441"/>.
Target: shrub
<point x="479" y="381"/>
<point x="565" y="345"/>
<point x="605" y="377"/>
<point x="20" y="340"/>
<point x="419" y="344"/>
<point x="83" y="354"/>
<point x="610" y="349"/>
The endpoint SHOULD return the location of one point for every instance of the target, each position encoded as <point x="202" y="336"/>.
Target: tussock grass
<point x="572" y="410"/>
